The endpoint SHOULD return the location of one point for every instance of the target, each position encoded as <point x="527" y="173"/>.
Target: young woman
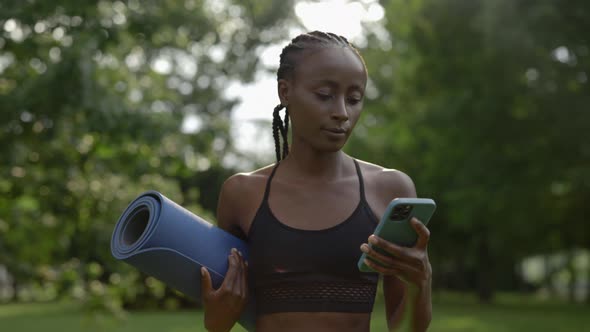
<point x="308" y="217"/>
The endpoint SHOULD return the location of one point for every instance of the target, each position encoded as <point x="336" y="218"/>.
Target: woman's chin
<point x="332" y="147"/>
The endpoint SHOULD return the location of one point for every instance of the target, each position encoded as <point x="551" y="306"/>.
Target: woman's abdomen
<point x="314" y="322"/>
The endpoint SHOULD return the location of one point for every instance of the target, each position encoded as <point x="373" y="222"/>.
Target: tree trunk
<point x="485" y="271"/>
<point x="547" y="278"/>
<point x="587" y="281"/>
<point x="573" y="276"/>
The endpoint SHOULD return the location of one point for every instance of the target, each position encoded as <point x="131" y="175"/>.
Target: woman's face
<point x="325" y="97"/>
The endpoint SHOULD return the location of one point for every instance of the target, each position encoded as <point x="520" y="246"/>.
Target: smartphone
<point x="395" y="224"/>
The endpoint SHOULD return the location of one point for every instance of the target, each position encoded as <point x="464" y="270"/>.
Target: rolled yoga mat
<point x="168" y="242"/>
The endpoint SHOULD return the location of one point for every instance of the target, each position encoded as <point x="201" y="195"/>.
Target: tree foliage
<point x="484" y="104"/>
<point x="93" y="98"/>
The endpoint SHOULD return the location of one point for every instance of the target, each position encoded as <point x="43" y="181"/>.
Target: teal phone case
<point x="395" y="224"/>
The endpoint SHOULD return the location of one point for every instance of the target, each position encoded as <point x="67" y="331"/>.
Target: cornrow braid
<point x="311" y="40"/>
<point x="289" y="55"/>
<point x="285" y="137"/>
<point x="277" y="125"/>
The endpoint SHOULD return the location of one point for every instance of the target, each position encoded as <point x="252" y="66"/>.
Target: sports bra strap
<point x="361" y="183"/>
<point x="358" y="172"/>
<point x="267" y="190"/>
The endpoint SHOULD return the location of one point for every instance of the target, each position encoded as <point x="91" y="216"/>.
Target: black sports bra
<point x="296" y="270"/>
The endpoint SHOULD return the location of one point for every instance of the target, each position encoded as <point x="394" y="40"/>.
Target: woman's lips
<point x="335" y="133"/>
<point x="336" y="130"/>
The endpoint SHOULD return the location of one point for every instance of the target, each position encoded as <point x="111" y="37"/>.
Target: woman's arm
<point x="407" y="307"/>
<point x="224" y="305"/>
<point x="407" y="273"/>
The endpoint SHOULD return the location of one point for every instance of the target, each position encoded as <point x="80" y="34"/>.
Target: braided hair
<point x="288" y="60"/>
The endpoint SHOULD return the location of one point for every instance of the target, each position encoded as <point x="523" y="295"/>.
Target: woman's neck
<point x="315" y="165"/>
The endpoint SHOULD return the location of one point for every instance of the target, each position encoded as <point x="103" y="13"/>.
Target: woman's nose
<point x="339" y="111"/>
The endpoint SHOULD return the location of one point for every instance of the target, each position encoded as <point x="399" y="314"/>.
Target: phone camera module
<point x="401" y="212"/>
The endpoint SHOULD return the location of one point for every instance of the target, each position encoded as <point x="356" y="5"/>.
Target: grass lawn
<point x="452" y="312"/>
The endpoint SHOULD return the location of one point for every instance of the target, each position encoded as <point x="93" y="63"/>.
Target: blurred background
<point x="483" y="103"/>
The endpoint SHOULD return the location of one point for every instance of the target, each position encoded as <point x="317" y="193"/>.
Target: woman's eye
<point x="324" y="96"/>
<point x="354" y="101"/>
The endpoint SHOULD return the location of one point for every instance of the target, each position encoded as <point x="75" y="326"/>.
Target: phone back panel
<point x="400" y="231"/>
<point x="395" y="224"/>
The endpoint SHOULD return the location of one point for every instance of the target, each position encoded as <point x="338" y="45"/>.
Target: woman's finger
<point x="423" y="233"/>
<point x="375" y="255"/>
<point x="206" y="285"/>
<point x="392" y="249"/>
<point x="382" y="269"/>
<point x="391" y="262"/>
<point x="238" y="288"/>
<point x="245" y="279"/>
<point x="232" y="273"/>
<point x="390" y="271"/>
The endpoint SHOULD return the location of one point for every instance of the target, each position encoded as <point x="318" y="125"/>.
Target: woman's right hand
<point x="224" y="305"/>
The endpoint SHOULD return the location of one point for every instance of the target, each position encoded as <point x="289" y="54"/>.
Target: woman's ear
<point x="283" y="88"/>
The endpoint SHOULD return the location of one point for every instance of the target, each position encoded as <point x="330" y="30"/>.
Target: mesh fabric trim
<point x="317" y="296"/>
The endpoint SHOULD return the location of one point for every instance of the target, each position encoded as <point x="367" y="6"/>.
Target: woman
<point x="308" y="217"/>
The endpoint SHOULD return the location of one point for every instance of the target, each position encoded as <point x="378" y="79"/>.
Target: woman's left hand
<point x="409" y="264"/>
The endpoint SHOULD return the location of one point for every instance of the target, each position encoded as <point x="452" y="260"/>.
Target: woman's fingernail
<point x="364" y="247"/>
<point x="373" y="240"/>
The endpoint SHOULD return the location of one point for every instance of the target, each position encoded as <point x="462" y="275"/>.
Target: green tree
<point x="482" y="103"/>
<point x="93" y="96"/>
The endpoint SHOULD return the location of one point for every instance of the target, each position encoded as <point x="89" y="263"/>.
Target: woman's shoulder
<point x="387" y="181"/>
<point x="246" y="181"/>
<point x="240" y="196"/>
<point x="252" y="177"/>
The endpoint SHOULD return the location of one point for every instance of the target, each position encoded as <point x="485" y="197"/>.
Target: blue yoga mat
<point x="168" y="242"/>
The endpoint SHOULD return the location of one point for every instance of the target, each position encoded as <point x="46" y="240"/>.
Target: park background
<point x="483" y="103"/>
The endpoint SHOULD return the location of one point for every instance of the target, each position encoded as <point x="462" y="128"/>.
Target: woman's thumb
<point x="206" y="285"/>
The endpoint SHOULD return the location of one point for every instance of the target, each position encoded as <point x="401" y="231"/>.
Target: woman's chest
<point x="275" y="247"/>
